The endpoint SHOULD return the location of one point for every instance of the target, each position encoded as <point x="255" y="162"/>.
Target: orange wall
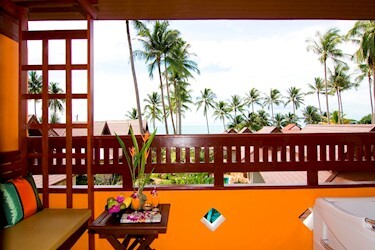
<point x="8" y="94"/>
<point x="255" y="219"/>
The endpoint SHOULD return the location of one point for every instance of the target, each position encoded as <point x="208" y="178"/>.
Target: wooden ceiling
<point x="198" y="9"/>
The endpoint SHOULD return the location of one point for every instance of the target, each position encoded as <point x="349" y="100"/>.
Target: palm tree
<point x="326" y="47"/>
<point x="317" y="89"/>
<point x="295" y="97"/>
<point x="154" y="43"/>
<point x="152" y="108"/>
<point x="363" y="34"/>
<point x="180" y="98"/>
<point x="235" y="122"/>
<point x="132" y="114"/>
<point x="290" y="118"/>
<point x="273" y="99"/>
<point x="34" y="86"/>
<point x="207" y="100"/>
<point x="180" y="68"/>
<point x="138" y="26"/>
<point x="339" y="81"/>
<point x="235" y="104"/>
<point x="279" y="121"/>
<point x="365" y="71"/>
<point x="221" y="111"/>
<point x="310" y="114"/>
<point x="263" y="118"/>
<point x="253" y="97"/>
<point x="55" y="104"/>
<point x="252" y="121"/>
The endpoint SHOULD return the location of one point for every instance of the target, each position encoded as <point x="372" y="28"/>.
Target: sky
<point x="232" y="56"/>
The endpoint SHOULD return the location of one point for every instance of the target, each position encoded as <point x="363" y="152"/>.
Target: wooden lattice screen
<point x="68" y="36"/>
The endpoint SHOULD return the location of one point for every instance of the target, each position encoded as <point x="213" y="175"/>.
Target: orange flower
<point x="146" y="136"/>
<point x="132" y="151"/>
<point x="147" y="153"/>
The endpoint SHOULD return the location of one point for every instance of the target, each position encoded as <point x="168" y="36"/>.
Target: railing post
<point x="218" y="172"/>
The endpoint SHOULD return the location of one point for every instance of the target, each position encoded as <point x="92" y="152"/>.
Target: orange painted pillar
<point x="8" y="94"/>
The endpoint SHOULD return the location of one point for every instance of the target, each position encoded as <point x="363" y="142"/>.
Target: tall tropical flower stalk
<point x="136" y="159"/>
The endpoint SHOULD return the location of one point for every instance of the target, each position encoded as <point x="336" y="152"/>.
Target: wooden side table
<point x="144" y="234"/>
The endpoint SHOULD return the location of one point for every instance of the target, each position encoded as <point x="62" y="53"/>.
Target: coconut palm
<point x="132" y="114"/>
<point x="317" y="89"/>
<point x="152" y="108"/>
<point x="221" y="111"/>
<point x="253" y="97"/>
<point x="365" y="71"/>
<point x="53" y="103"/>
<point x="235" y="122"/>
<point x="273" y="99"/>
<point x="363" y="34"/>
<point x="310" y="114"/>
<point x="34" y="86"/>
<point x="180" y="98"/>
<point x="296" y="97"/>
<point x="339" y="81"/>
<point x="206" y="100"/>
<point x="290" y="118"/>
<point x="180" y="68"/>
<point x="263" y="118"/>
<point x="138" y="26"/>
<point x="279" y="120"/>
<point x="252" y="121"/>
<point x="155" y="42"/>
<point x="326" y="47"/>
<point x="236" y="104"/>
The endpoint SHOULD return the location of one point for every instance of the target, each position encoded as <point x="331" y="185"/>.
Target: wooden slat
<point x="54" y="67"/>
<point x="54" y="34"/>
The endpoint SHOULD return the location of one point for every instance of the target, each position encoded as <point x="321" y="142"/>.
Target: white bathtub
<point x="344" y="223"/>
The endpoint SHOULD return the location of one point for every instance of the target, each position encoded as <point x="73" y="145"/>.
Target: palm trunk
<point x="338" y="106"/>
<point x="320" y="108"/>
<point x="35" y="109"/>
<point x="326" y="90"/>
<point x="168" y="96"/>
<point x="252" y="105"/>
<point x="294" y="109"/>
<point x="369" y="87"/>
<point x="223" y="124"/>
<point x="208" y="129"/>
<point x="342" y="109"/>
<point x="140" y="123"/>
<point x="273" y="117"/>
<point x="162" y="98"/>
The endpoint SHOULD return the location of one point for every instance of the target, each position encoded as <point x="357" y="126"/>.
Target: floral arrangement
<point x="137" y="161"/>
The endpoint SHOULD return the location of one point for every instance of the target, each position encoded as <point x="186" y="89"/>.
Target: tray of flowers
<point x="150" y="216"/>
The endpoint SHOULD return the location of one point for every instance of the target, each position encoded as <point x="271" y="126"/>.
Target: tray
<point x="141" y="217"/>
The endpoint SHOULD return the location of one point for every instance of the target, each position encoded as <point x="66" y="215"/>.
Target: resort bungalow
<point x="246" y="216"/>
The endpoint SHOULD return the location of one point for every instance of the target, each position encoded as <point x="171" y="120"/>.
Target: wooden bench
<point x="46" y="229"/>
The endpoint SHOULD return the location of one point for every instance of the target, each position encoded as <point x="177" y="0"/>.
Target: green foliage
<point x="366" y="119"/>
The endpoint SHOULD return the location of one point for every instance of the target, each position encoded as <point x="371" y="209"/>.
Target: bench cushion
<point x="47" y="229"/>
<point x="20" y="199"/>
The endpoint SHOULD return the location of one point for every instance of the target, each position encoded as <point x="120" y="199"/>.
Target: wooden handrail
<point x="219" y="154"/>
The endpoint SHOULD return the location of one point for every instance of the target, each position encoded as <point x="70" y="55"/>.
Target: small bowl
<point x="147" y="206"/>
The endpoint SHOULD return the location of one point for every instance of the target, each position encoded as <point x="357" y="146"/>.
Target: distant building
<point x="269" y="130"/>
<point x="291" y="128"/>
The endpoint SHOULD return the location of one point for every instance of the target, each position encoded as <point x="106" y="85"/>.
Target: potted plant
<point x="137" y="164"/>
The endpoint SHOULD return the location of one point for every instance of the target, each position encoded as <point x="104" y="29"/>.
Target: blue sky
<point x="233" y="57"/>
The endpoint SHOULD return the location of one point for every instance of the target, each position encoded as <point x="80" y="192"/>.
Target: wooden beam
<point x="9" y="7"/>
<point x="55" y="34"/>
<point x="87" y="7"/>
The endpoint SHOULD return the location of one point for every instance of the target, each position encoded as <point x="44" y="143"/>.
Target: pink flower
<point x="120" y="199"/>
<point x="114" y="209"/>
<point x="154" y="192"/>
<point x="135" y="195"/>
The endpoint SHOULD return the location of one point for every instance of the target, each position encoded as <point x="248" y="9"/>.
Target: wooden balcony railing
<point x="218" y="154"/>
